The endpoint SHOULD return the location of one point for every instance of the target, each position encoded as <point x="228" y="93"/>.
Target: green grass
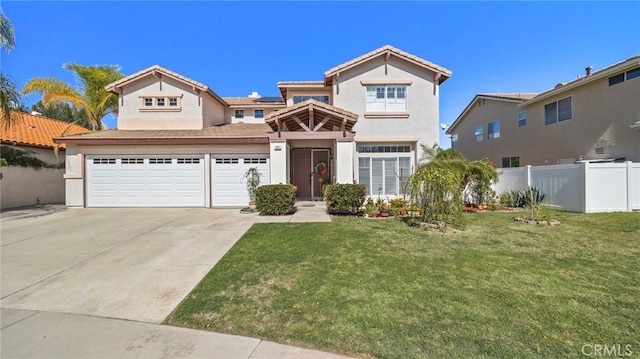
<point x="378" y="288"/>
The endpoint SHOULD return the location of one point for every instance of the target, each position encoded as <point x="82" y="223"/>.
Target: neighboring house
<point x="178" y="143"/>
<point x="595" y="117"/>
<point x="34" y="133"/>
<point x="27" y="186"/>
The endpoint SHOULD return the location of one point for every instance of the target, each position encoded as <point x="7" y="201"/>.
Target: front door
<point x="302" y="174"/>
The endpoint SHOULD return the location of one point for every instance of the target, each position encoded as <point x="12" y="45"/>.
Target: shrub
<point x="275" y="199"/>
<point x="345" y="198"/>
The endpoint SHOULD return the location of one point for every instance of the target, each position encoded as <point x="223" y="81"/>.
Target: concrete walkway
<point x="99" y="282"/>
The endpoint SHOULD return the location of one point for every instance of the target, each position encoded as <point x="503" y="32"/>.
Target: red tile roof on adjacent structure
<point x="39" y="131"/>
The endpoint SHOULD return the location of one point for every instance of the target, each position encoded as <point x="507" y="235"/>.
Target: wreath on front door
<point x="320" y="168"/>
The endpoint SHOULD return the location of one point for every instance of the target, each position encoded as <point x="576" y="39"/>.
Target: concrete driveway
<point x="135" y="264"/>
<point x="97" y="282"/>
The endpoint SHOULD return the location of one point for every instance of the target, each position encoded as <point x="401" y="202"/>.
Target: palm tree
<point x="9" y="95"/>
<point x="89" y="96"/>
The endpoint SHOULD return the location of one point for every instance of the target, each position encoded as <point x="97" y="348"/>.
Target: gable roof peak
<point x="442" y="73"/>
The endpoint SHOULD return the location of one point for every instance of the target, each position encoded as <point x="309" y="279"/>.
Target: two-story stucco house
<point x="595" y="117"/>
<point x="178" y="143"/>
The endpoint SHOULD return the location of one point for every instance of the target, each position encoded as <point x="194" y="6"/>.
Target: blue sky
<point x="240" y="47"/>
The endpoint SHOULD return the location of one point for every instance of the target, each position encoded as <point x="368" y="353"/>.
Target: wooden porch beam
<point x="311" y="122"/>
<point x="300" y="123"/>
<point x="279" y="126"/>
<point x="322" y="123"/>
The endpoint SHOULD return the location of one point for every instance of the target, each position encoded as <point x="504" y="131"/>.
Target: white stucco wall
<point x="213" y="111"/>
<point x="344" y="160"/>
<point x="130" y="117"/>
<point x="422" y="101"/>
<point x="278" y="159"/>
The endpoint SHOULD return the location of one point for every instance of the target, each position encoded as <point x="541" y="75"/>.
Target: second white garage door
<point x="228" y="185"/>
<point x="145" y="181"/>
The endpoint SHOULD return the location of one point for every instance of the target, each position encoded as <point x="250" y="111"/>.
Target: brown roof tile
<point x="236" y="130"/>
<point x="39" y="131"/>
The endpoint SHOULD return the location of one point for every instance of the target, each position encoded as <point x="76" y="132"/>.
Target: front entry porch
<point x="312" y="146"/>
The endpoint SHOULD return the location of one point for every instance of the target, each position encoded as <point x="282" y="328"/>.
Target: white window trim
<point x="154" y="100"/>
<point x="476" y="134"/>
<point x="557" y="102"/>
<point x="386" y="113"/>
<point x="254" y="113"/>
<point x="235" y="112"/>
<point x="522" y="119"/>
<point x="490" y="135"/>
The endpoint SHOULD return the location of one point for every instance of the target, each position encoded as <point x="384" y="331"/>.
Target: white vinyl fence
<point x="23" y="186"/>
<point x="583" y="187"/>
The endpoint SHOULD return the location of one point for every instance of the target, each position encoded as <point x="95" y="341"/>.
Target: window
<point x="383" y="149"/>
<point x="182" y="161"/>
<point x="104" y="161"/>
<point x="454" y="141"/>
<point x="632" y="74"/>
<point x="319" y="98"/>
<point x="625" y="76"/>
<point x="510" y="162"/>
<point x="239" y="114"/>
<point x="254" y="161"/>
<point x="557" y="111"/>
<point x="159" y="161"/>
<point x="258" y="113"/>
<point x="220" y="161"/>
<point x="131" y="161"/>
<point x="386" y="98"/>
<point x="493" y="130"/>
<point x="478" y="134"/>
<point x="522" y="119"/>
<point x="160" y="103"/>
<point x="384" y="175"/>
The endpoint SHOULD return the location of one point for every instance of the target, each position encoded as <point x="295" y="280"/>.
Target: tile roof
<point x="287" y="110"/>
<point x="390" y="50"/>
<point x="248" y="101"/>
<point x="607" y="71"/>
<point x="236" y="130"/>
<point x="39" y="131"/>
<point x="509" y="96"/>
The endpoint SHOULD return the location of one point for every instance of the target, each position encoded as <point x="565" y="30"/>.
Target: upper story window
<point x="454" y="140"/>
<point x="389" y="98"/>
<point x="383" y="149"/>
<point x="625" y="76"/>
<point x="319" y="98"/>
<point x="522" y="119"/>
<point x="557" y="111"/>
<point x="478" y="133"/>
<point x="493" y="130"/>
<point x="258" y="113"/>
<point x="160" y="103"/>
<point x="239" y="114"/>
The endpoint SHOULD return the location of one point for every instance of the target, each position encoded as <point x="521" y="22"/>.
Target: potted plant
<point x="253" y="182"/>
<point x="383" y="208"/>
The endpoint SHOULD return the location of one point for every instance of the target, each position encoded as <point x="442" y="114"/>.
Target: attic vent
<point x="32" y="127"/>
<point x="599" y="150"/>
<point x="559" y="85"/>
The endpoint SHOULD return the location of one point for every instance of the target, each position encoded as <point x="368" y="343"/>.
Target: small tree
<point x="253" y="182"/>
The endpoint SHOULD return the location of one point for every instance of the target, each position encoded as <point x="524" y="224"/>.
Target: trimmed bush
<point x="345" y="198"/>
<point x="275" y="199"/>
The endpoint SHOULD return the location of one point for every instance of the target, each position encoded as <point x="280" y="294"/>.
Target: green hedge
<point x="345" y="198"/>
<point x="275" y="199"/>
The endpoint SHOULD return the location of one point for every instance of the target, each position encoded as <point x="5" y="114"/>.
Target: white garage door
<point x="228" y="185"/>
<point x="145" y="181"/>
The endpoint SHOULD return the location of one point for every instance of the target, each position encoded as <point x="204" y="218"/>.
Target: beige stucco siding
<point x="130" y="117"/>
<point x="213" y="111"/>
<point x="421" y="96"/>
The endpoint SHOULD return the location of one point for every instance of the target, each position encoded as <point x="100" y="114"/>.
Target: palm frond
<point x="10" y="100"/>
<point x="7" y="34"/>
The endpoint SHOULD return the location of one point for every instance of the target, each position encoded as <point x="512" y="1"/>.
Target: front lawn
<point x="378" y="288"/>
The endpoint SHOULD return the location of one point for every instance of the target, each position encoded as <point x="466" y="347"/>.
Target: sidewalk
<point x="34" y="334"/>
<point x="306" y="212"/>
